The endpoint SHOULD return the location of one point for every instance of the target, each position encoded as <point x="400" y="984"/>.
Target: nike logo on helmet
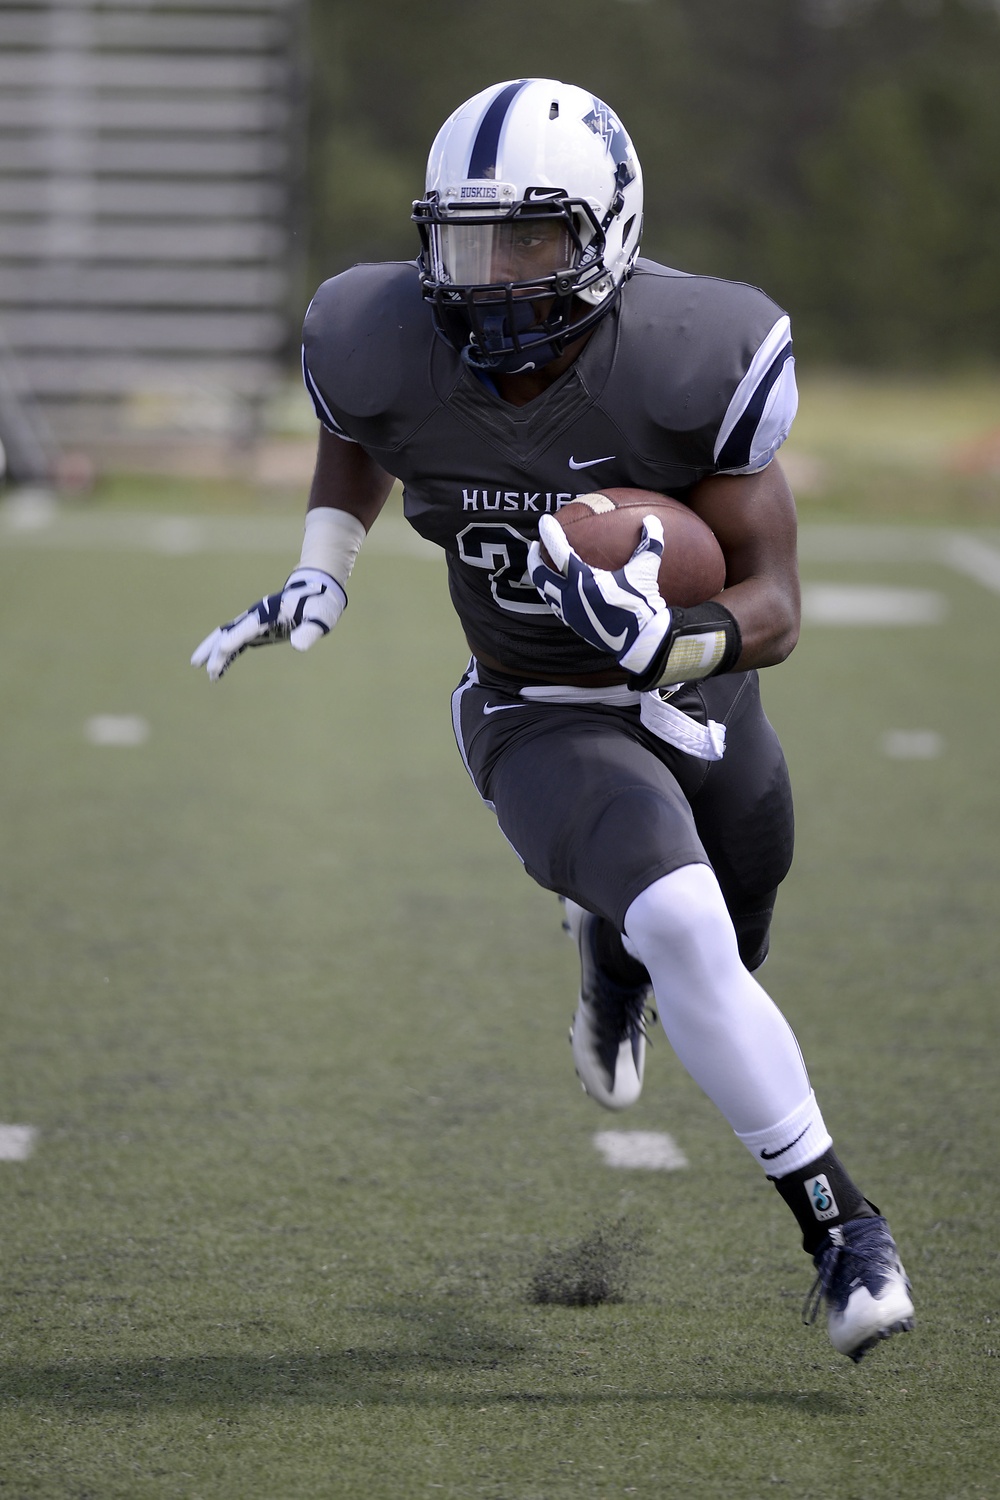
<point x="588" y="463"/>
<point x="770" y="1155"/>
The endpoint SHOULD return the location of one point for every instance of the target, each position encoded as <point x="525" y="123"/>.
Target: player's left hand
<point x="621" y="612"/>
<point x="307" y="608"/>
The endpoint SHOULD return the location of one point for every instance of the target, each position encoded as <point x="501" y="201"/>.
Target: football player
<point x="528" y="356"/>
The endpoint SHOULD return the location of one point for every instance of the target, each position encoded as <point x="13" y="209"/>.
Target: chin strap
<point x="491" y="352"/>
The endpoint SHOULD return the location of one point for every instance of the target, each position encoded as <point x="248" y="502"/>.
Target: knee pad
<point x="680" y="923"/>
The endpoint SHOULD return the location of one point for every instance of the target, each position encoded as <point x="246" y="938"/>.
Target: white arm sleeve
<point x="762" y="409"/>
<point x="332" y="542"/>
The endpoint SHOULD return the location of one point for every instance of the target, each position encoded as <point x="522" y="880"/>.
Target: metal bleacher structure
<point x="149" y="198"/>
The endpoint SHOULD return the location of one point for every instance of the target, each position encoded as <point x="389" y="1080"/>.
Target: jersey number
<point x="503" y="552"/>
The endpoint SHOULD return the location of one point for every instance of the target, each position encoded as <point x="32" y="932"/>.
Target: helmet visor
<point x="521" y="250"/>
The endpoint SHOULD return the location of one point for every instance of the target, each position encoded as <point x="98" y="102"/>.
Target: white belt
<point x="704" y="741"/>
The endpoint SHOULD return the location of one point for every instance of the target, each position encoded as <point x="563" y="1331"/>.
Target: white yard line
<point x="17" y="1142"/>
<point x="648" y="1150"/>
<point x="183" y="536"/>
<point x="835" y="543"/>
<point x="866" y="604"/>
<point x="912" y="744"/>
<point x="117" y="729"/>
<point x="972" y="556"/>
<point x="36" y="520"/>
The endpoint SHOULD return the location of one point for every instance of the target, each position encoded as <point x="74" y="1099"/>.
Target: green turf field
<point x="290" y="1024"/>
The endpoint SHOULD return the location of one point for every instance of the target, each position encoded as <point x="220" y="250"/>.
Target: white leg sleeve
<point x="725" y="1029"/>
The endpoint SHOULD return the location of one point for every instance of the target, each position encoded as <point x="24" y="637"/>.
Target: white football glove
<point x="621" y="612"/>
<point x="309" y="606"/>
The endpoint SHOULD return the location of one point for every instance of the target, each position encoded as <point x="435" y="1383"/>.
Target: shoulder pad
<point x="686" y="345"/>
<point x="695" y="335"/>
<point x="362" y="331"/>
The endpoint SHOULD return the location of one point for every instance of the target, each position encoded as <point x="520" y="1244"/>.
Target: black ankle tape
<point x="821" y="1196"/>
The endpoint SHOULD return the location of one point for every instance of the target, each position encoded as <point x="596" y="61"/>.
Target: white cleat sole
<point x="628" y="1081"/>
<point x="868" y="1320"/>
<point x="615" y="1089"/>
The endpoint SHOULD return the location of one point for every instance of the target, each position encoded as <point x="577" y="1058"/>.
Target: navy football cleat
<point x="864" y="1286"/>
<point x="608" y="1033"/>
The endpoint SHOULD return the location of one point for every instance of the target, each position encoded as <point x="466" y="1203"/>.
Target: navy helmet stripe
<point x="483" y="161"/>
<point x="736" y="449"/>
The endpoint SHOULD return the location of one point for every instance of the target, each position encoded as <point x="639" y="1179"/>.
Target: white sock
<point x="791" y="1144"/>
<point x="725" y="1029"/>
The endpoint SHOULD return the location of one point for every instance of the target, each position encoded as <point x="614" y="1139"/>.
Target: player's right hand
<point x="309" y="606"/>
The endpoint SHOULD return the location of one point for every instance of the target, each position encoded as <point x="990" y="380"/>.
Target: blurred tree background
<point x="843" y="154"/>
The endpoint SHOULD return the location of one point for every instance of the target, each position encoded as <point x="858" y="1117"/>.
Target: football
<point x="604" y="529"/>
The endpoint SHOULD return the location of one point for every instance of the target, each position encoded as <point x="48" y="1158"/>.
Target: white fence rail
<point x="149" y="160"/>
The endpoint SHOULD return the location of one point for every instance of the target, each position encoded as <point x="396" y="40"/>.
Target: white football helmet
<point x="530" y="222"/>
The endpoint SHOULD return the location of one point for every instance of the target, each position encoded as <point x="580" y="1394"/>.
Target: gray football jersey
<point x="688" y="376"/>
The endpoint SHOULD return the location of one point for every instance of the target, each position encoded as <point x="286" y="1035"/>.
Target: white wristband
<point x="332" y="542"/>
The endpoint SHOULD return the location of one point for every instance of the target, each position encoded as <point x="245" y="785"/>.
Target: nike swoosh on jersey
<point x="613" y="642"/>
<point x="588" y="463"/>
<point x="498" y="708"/>
<point x="770" y="1155"/>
